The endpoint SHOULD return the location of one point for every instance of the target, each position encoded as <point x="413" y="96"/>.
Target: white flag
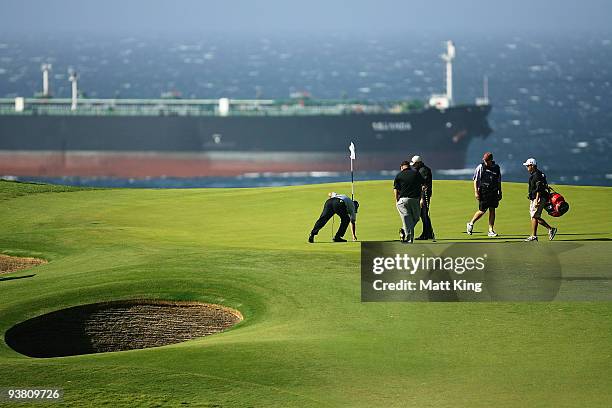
<point x="352" y="150"/>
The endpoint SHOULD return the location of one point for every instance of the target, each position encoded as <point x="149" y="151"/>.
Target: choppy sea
<point x="551" y="93"/>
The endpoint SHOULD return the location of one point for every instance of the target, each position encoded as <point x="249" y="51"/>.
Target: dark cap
<point x="405" y="163"/>
<point x="487" y="156"/>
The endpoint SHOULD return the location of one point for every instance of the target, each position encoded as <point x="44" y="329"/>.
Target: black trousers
<point x="333" y="206"/>
<point x="427" y="228"/>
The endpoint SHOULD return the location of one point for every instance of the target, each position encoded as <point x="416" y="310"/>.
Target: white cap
<point x="415" y="159"/>
<point x="530" y="161"/>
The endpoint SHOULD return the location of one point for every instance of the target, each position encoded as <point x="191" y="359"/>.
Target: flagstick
<point x="352" y="182"/>
<point x="352" y="156"/>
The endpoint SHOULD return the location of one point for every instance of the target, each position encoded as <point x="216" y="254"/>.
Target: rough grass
<point x="306" y="339"/>
<point x="12" y="189"/>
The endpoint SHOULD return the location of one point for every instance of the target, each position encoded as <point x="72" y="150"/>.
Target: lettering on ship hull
<point x="392" y="126"/>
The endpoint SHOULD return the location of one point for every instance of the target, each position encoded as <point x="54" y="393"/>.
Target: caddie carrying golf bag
<point x="489" y="182"/>
<point x="556" y="205"/>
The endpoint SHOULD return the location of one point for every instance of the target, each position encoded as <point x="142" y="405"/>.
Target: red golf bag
<point x="556" y="205"/>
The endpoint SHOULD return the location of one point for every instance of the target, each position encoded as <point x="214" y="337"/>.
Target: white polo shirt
<point x="350" y="206"/>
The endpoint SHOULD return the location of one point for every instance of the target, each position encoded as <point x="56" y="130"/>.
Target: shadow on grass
<point x="337" y="243"/>
<point x="500" y="239"/>
<point x="594" y="233"/>
<point x="586" y="239"/>
<point x="16" y="277"/>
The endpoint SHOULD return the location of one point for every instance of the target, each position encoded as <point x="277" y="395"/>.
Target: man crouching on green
<point x="345" y="208"/>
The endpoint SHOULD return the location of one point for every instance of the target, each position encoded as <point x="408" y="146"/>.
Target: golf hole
<point x="118" y="326"/>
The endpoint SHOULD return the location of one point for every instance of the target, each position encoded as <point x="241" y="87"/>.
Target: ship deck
<point x="200" y="107"/>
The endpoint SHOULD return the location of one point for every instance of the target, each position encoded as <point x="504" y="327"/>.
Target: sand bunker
<point x="117" y="326"/>
<point x="13" y="263"/>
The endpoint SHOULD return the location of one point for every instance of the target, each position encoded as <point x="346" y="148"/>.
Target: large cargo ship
<point x="138" y="138"/>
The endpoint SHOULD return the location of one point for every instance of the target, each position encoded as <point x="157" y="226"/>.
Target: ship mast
<point x="73" y="78"/>
<point x="444" y="101"/>
<point x="449" y="57"/>
<point x="45" y="70"/>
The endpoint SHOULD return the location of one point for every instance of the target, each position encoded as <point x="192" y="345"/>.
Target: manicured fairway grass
<point x="306" y="340"/>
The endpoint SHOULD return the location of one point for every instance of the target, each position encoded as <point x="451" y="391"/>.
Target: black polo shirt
<point x="408" y="183"/>
<point x="427" y="176"/>
<point x="537" y="183"/>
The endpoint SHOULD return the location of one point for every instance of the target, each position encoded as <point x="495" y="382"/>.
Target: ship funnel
<point x="73" y="78"/>
<point x="45" y="68"/>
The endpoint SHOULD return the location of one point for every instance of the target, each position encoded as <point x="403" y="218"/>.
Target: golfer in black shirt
<point x="418" y="165"/>
<point x="407" y="188"/>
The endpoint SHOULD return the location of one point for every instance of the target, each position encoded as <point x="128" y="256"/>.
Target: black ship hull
<point x="195" y="146"/>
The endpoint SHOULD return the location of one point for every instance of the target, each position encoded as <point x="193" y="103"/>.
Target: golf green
<point x="306" y="338"/>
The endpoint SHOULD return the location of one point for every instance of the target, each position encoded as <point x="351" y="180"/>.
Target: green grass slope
<point x="306" y="340"/>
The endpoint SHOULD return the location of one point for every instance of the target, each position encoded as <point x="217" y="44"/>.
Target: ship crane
<point x="73" y="78"/>
<point x="45" y="68"/>
<point x="484" y="100"/>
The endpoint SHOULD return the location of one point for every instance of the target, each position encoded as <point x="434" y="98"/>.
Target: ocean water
<point x="551" y="94"/>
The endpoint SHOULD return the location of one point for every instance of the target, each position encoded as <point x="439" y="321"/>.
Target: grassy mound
<point x="306" y="339"/>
